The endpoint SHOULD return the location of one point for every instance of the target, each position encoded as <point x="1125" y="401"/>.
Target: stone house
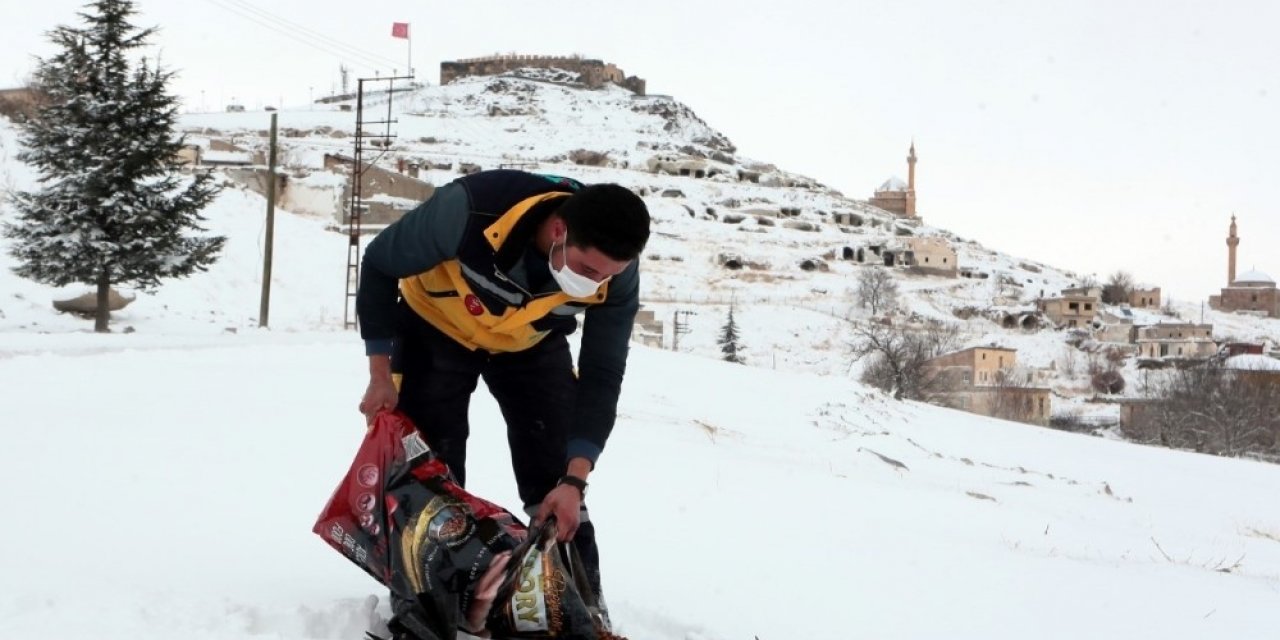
<point x="681" y="165"/>
<point x="980" y="380"/>
<point x="388" y="194"/>
<point x="932" y="255"/>
<point x="190" y="155"/>
<point x="976" y="366"/>
<point x="1091" y="291"/>
<point x="1176" y="340"/>
<point x="20" y="103"/>
<point x="1117" y="326"/>
<point x="1256" y="370"/>
<point x="647" y="329"/>
<point x="1144" y="297"/>
<point x="1070" y="310"/>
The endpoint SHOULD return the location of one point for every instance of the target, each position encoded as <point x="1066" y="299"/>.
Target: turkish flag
<point x="400" y="30"/>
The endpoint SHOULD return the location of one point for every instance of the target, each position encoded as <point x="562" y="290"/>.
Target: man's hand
<point x="380" y="395"/>
<point x="564" y="502"/>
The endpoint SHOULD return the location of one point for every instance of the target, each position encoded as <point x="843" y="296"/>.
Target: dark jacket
<point x="439" y="258"/>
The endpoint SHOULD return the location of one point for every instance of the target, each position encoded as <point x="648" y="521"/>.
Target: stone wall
<point x="593" y="73"/>
<point x="1261" y="299"/>
<point x="892" y="201"/>
<point x="20" y="103"/>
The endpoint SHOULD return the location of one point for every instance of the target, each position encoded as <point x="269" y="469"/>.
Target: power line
<point x="334" y="42"/>
<point x="356" y="58"/>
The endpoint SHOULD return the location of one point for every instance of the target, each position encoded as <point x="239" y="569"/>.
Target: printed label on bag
<point x="414" y="446"/>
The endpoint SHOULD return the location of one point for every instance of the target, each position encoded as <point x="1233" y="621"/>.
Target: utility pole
<point x="678" y="327"/>
<point x="358" y="204"/>
<point x="265" y="308"/>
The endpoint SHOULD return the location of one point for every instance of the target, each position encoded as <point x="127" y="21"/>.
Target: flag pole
<point x="409" y="40"/>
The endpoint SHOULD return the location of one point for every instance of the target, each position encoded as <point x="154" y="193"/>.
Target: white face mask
<point x="570" y="281"/>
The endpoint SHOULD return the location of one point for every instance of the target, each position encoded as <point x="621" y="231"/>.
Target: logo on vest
<point x="473" y="304"/>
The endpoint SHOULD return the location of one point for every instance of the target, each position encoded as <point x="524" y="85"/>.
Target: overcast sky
<point x="1091" y="135"/>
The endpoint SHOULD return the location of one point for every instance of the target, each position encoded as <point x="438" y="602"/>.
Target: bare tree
<point x="878" y="289"/>
<point x="1118" y="288"/>
<point x="1010" y="399"/>
<point x="1109" y="381"/>
<point x="898" y="355"/>
<point x="1212" y="410"/>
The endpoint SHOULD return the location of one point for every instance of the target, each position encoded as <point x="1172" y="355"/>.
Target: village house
<point x="1256" y="370"/>
<point x="1117" y="327"/>
<point x="647" y="329"/>
<point x="388" y="194"/>
<point x="932" y="255"/>
<point x="1241" y="348"/>
<point x="980" y="380"/>
<point x="1144" y="297"/>
<point x="1176" y="340"/>
<point x="20" y="103"/>
<point x="1088" y="291"/>
<point x="1071" y="310"/>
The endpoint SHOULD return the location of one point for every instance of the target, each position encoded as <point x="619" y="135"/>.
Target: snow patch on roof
<point x="1253" y="276"/>
<point x="894" y="183"/>
<point x="1252" y="362"/>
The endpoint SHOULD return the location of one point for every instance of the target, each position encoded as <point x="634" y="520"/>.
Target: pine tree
<point x="729" y="340"/>
<point x="113" y="208"/>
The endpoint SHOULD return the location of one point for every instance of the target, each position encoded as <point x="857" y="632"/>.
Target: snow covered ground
<point x="167" y="491"/>
<point x="163" y="482"/>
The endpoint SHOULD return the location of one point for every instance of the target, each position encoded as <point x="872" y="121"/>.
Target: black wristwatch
<point x="575" y="482"/>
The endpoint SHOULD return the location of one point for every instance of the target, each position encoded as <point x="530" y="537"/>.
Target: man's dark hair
<point x="607" y="217"/>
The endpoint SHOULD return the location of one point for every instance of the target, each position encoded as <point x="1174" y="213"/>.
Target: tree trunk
<point x="103" y="313"/>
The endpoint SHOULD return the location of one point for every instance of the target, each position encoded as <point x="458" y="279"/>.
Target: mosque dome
<point x="1253" y="278"/>
<point x="893" y="184"/>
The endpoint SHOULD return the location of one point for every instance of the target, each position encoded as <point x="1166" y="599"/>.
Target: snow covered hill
<point x="164" y="481"/>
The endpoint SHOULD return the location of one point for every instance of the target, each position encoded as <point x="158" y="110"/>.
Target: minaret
<point x="911" y="181"/>
<point x="1232" y="242"/>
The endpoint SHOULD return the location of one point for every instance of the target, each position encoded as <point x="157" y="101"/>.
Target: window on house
<point x="1255" y="297"/>
<point x="1074" y="306"/>
<point x="1179" y="350"/>
<point x="1001" y="364"/>
<point x="926" y="259"/>
<point x="1041" y="406"/>
<point x="1088" y="306"/>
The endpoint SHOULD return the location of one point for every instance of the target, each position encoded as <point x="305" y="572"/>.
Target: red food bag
<point x="451" y="560"/>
